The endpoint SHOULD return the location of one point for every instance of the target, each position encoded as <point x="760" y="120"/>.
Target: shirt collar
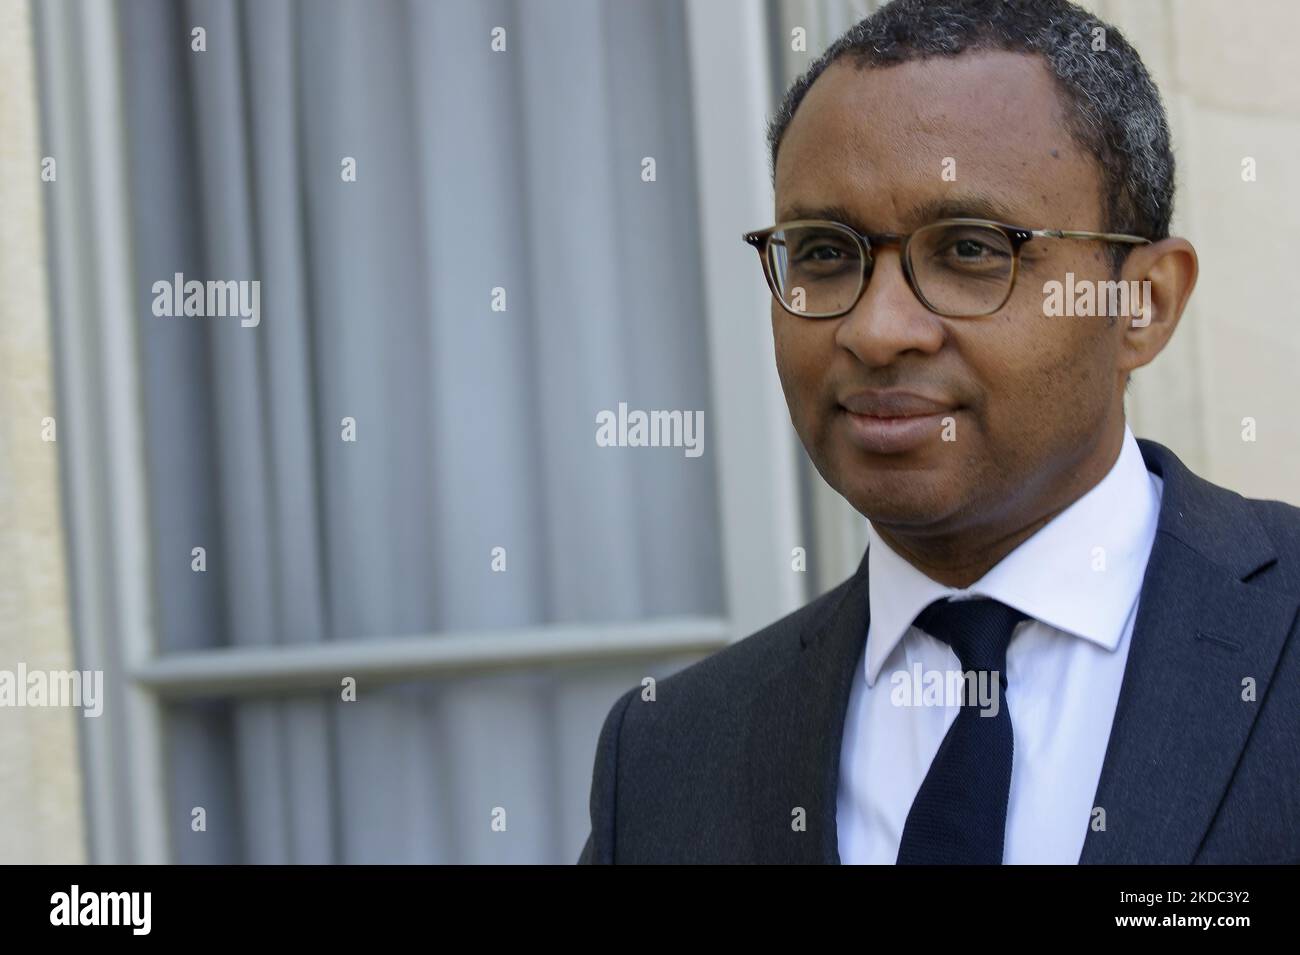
<point x="1081" y="572"/>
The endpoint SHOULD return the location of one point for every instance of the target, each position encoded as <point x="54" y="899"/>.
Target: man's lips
<point x="891" y="422"/>
<point x="894" y="404"/>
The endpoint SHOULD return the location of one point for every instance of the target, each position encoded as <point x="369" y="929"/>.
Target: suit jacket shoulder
<point x="676" y="763"/>
<point x="1202" y="763"/>
<point x="1203" y="760"/>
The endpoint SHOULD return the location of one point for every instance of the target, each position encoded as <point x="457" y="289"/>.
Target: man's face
<point x="1030" y="397"/>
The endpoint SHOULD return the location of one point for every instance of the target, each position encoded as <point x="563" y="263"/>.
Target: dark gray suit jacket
<point x="712" y="769"/>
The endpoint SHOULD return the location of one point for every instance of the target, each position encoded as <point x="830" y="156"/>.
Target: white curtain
<point x="475" y="170"/>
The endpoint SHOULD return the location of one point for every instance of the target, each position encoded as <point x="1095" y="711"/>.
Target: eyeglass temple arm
<point x="1105" y="236"/>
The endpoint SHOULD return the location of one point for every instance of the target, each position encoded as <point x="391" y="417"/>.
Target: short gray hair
<point x="1115" y="112"/>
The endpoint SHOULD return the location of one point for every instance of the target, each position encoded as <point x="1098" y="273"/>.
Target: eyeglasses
<point x="959" y="268"/>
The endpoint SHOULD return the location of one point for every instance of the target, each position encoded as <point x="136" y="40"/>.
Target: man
<point x="1123" y="633"/>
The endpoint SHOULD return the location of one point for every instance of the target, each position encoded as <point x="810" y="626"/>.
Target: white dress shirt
<point x="1078" y="578"/>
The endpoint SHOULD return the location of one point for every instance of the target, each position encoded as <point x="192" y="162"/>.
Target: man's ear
<point x="1165" y="273"/>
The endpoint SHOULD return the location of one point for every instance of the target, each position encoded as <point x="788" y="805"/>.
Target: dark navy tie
<point x="959" y="815"/>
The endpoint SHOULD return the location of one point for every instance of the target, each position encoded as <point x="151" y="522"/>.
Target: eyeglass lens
<point x="959" y="269"/>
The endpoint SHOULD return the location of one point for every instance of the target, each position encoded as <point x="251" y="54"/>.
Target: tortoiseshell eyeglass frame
<point x="1016" y="237"/>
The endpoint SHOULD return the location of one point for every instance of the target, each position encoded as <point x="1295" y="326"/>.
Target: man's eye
<point x="972" y="249"/>
<point x="820" y="253"/>
<point x="970" y="252"/>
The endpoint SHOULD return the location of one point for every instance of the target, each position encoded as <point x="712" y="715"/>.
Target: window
<point x="260" y="506"/>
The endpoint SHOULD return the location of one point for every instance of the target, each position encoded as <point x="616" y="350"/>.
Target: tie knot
<point x="978" y="630"/>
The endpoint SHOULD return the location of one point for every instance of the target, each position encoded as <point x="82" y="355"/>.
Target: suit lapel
<point x="1180" y="722"/>
<point x="795" y="728"/>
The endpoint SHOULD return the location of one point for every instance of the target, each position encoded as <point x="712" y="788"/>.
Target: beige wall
<point x="1228" y="75"/>
<point x="40" y="780"/>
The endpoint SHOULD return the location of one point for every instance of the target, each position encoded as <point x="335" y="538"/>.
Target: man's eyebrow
<point x="833" y="211"/>
<point x="972" y="206"/>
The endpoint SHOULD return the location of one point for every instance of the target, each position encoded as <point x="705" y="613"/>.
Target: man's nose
<point x="888" y="318"/>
